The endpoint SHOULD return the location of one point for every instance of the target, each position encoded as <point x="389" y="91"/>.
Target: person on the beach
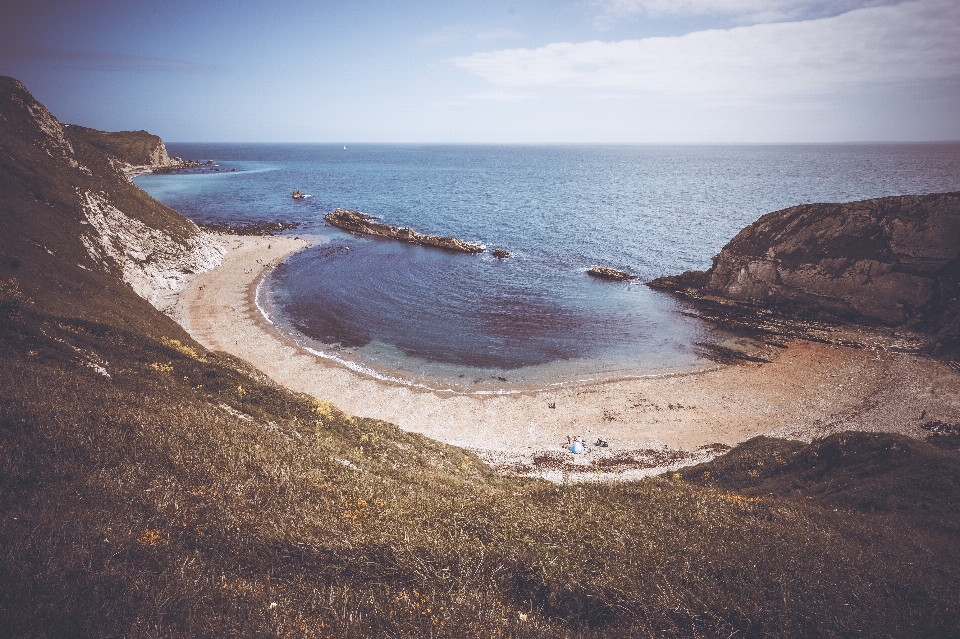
<point x="577" y="447"/>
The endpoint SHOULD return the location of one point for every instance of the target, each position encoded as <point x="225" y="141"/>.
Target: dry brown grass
<point x="162" y="501"/>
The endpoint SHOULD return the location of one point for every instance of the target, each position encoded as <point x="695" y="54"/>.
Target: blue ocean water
<point x="444" y="319"/>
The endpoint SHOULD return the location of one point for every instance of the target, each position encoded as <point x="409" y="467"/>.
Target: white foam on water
<point x="256" y="301"/>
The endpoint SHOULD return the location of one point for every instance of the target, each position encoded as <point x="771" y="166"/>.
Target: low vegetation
<point x="152" y="488"/>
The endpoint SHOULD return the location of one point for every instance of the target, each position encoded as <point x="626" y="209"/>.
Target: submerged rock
<point x="361" y="223"/>
<point x="606" y="273"/>
<point x="499" y="253"/>
<point x="297" y="195"/>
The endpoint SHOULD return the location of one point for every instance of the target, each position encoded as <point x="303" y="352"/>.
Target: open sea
<point x="443" y="320"/>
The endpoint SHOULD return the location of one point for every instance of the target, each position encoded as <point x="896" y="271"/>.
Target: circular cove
<point x="474" y="323"/>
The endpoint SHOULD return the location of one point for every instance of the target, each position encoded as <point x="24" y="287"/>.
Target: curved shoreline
<point x="515" y="388"/>
<point x="808" y="389"/>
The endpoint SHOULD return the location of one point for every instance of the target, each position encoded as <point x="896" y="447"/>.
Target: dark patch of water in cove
<point x="436" y="315"/>
<point x="535" y="318"/>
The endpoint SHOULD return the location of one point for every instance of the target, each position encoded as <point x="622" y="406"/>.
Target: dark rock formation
<point x="256" y="227"/>
<point x="499" y="253"/>
<point x="362" y="223"/>
<point x="297" y="195"/>
<point x="606" y="273"/>
<point x="893" y="261"/>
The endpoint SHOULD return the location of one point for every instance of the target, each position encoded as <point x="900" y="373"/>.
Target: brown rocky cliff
<point x="892" y="260"/>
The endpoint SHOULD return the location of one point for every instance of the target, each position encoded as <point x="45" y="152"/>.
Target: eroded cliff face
<point x="883" y="259"/>
<point x="76" y="220"/>
<point x="152" y="262"/>
<point x="892" y="260"/>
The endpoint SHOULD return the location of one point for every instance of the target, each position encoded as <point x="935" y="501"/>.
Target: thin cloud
<point x="907" y="42"/>
<point x="99" y="59"/>
<point x="498" y="34"/>
<point x="500" y="95"/>
<point x="745" y="11"/>
<point x="440" y="36"/>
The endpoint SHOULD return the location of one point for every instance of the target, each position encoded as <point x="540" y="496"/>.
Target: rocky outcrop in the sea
<point x="500" y="253"/>
<point x="297" y="195"/>
<point x="364" y="224"/>
<point x="893" y="261"/>
<point x="607" y="273"/>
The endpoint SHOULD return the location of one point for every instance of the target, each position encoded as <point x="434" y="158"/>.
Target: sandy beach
<point x="809" y="389"/>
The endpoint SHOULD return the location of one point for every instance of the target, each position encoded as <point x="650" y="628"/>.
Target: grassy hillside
<point x="151" y="488"/>
<point x="133" y="147"/>
<point x="185" y="495"/>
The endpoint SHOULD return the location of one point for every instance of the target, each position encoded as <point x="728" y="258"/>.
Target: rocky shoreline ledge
<point x="363" y="224"/>
<point x="254" y="227"/>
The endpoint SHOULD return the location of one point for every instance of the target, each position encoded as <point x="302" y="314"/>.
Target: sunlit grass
<point x="187" y="495"/>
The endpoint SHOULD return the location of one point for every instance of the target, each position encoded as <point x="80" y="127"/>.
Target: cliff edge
<point x="75" y="222"/>
<point x="893" y="261"/>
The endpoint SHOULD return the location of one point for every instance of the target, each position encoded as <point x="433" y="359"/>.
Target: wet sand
<point x="809" y="389"/>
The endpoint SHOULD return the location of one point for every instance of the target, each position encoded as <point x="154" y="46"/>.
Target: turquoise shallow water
<point x="445" y="319"/>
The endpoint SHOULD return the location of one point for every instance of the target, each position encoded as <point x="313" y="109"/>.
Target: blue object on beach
<point x="576" y="448"/>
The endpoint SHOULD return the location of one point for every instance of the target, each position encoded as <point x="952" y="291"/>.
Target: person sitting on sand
<point x="577" y="446"/>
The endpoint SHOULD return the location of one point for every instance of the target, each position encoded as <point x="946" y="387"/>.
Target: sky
<point x="494" y="71"/>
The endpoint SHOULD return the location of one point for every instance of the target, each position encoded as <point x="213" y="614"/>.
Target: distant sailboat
<point x="344" y="148"/>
